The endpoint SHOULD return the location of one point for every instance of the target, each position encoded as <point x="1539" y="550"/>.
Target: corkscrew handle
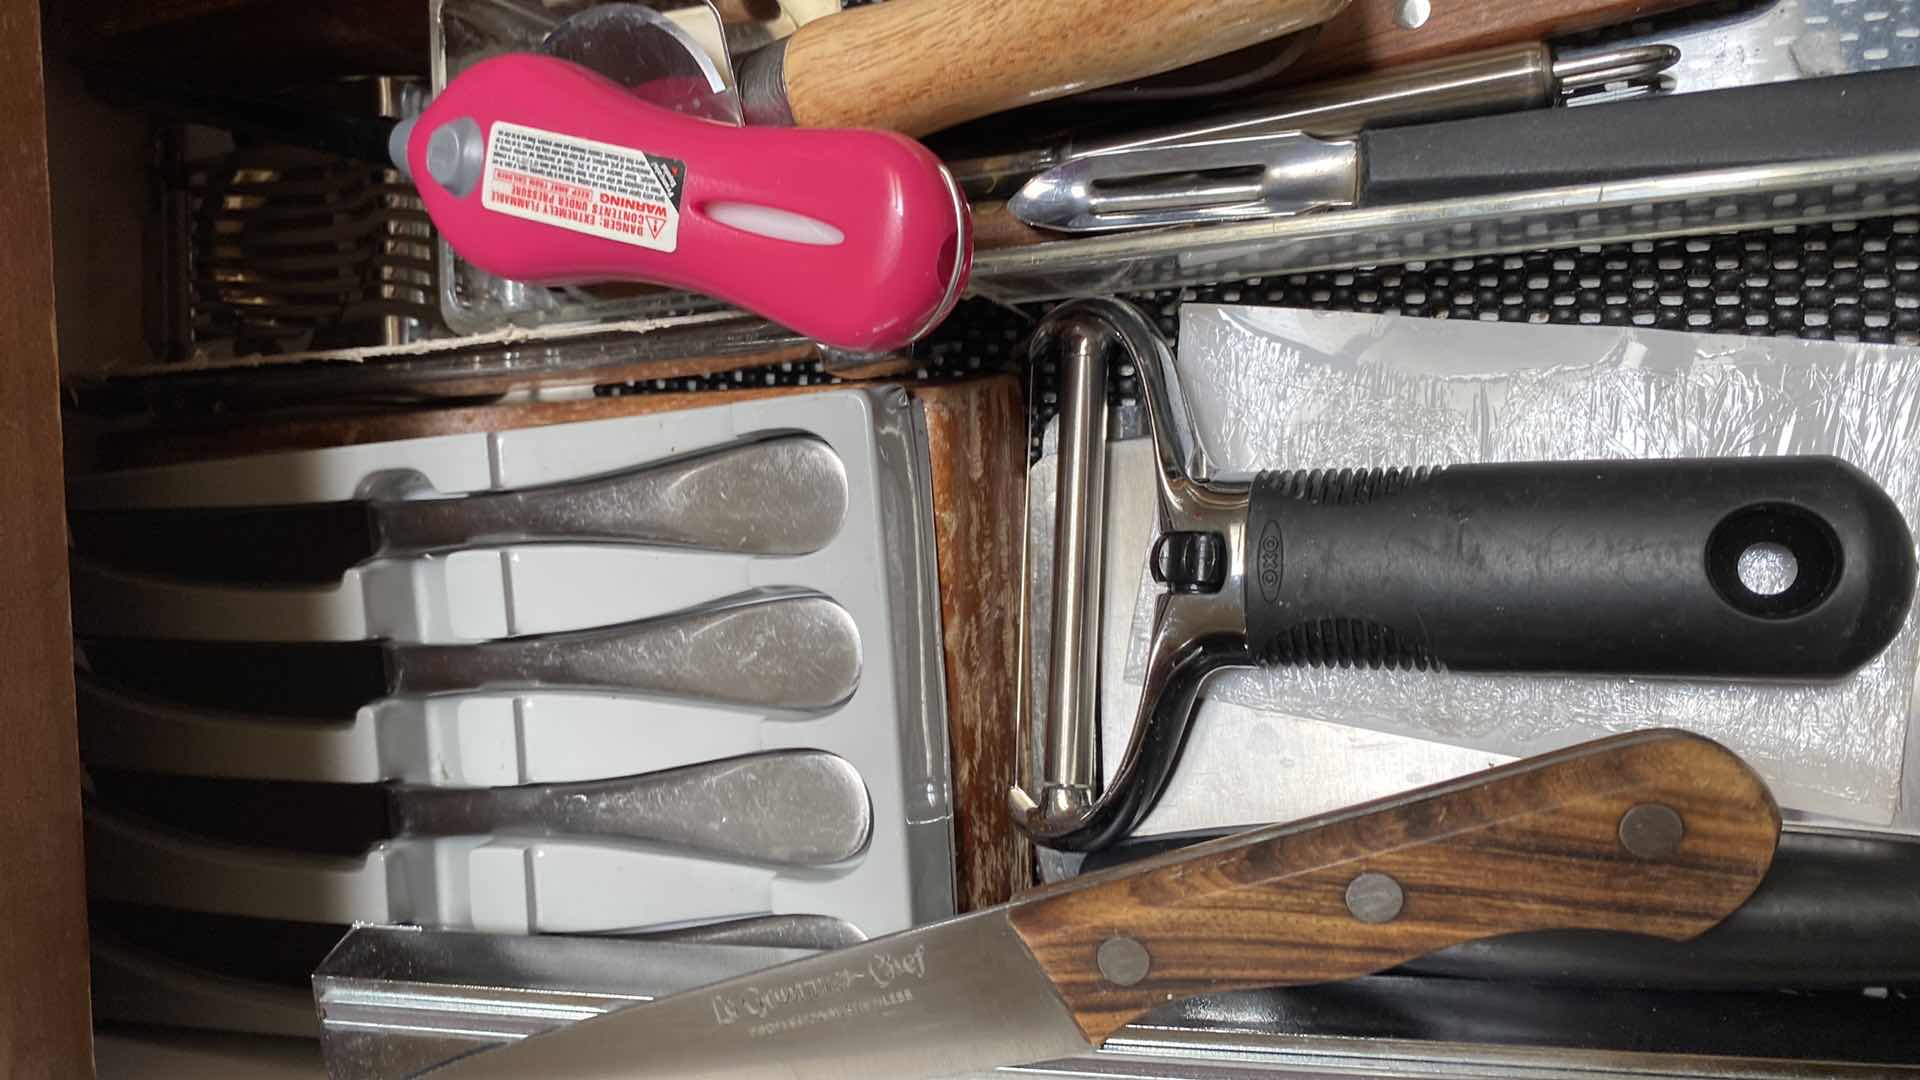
<point x="1786" y="568"/>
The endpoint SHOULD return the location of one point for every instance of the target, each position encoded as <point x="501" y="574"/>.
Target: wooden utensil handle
<point x="1375" y="35"/>
<point x="917" y="66"/>
<point x="1659" y="832"/>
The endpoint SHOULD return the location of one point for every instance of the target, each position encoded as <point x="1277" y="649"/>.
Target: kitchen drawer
<point x="94" y="274"/>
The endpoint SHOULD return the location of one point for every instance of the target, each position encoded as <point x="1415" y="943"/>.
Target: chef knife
<point x="774" y="649"/>
<point x="1658" y="832"/>
<point x="1267" y="175"/>
<point x="778" y="807"/>
<point x="917" y="66"/>
<point x="778" y="496"/>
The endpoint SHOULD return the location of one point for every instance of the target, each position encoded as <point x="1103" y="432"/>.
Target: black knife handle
<point x="1841" y="116"/>
<point x="1596" y="566"/>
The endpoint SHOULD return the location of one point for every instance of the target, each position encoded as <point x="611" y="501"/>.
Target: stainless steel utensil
<point x="789" y="808"/>
<point x="1268" y="175"/>
<point x="650" y="54"/>
<point x="1490" y="81"/>
<point x="394" y="1001"/>
<point x="778" y="650"/>
<point x="800" y="652"/>
<point x="765" y="931"/>
<point x="775" y="496"/>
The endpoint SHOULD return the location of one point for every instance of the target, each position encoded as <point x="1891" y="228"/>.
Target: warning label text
<point x="592" y="187"/>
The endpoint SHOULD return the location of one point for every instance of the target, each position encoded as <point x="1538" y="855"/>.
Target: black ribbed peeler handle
<point x="1630" y="567"/>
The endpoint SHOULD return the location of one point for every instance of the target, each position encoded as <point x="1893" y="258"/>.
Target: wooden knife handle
<point x="917" y="66"/>
<point x="1660" y="832"/>
<point x="1374" y="35"/>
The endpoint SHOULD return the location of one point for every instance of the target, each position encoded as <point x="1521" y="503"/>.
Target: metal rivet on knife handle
<point x="1652" y="831"/>
<point x="1123" y="961"/>
<point x="1375" y="898"/>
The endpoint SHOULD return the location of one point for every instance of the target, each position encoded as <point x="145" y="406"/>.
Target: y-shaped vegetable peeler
<point x="1590" y="567"/>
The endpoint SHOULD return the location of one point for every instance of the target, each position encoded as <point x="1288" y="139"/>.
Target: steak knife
<point x="780" y="807"/>
<point x="1659" y="832"/>
<point x="780" y="496"/>
<point x="785" y="649"/>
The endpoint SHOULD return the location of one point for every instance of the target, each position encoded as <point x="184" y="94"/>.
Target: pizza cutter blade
<point x="676" y="60"/>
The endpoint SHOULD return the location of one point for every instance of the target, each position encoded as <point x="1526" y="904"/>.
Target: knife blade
<point x="1266" y="175"/>
<point x="777" y="496"/>
<point x="1659" y="832"/>
<point x="776" y="649"/>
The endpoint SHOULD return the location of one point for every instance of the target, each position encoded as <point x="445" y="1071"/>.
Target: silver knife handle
<point x="779" y="496"/>
<point x="787" y="651"/>
<point x="790" y="808"/>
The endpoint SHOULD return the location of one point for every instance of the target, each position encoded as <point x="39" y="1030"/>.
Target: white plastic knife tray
<point x="893" y="729"/>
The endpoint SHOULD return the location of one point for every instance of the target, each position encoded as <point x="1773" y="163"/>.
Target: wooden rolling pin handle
<point x="917" y="66"/>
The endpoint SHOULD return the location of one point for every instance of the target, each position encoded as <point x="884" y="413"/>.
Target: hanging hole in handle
<point x="775" y="223"/>
<point x="1767" y="568"/>
<point x="1773" y="560"/>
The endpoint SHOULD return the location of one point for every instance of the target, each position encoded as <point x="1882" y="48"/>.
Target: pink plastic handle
<point x="857" y="238"/>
